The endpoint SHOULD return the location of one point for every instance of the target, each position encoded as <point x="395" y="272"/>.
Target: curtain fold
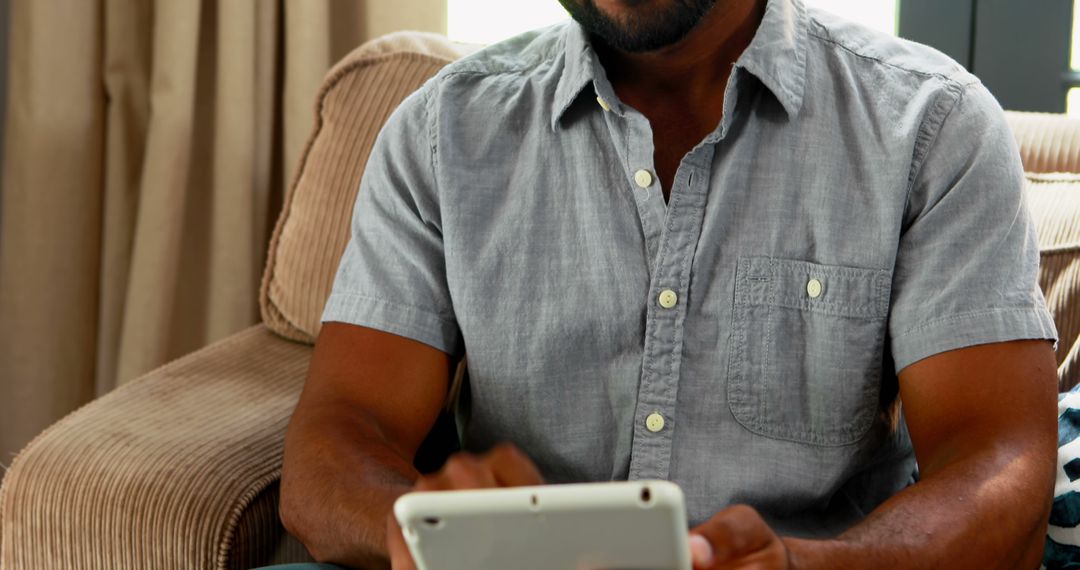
<point x="50" y="233"/>
<point x="147" y="148"/>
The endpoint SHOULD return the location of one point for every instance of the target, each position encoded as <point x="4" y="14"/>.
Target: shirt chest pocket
<point x="806" y="349"/>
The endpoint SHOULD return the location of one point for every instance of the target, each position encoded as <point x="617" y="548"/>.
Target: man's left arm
<point x="983" y="424"/>
<point x="979" y="401"/>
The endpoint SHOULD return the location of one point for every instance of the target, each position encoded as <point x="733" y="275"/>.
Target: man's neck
<point x="693" y="71"/>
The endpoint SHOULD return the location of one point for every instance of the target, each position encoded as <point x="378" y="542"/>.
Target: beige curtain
<point x="147" y="146"/>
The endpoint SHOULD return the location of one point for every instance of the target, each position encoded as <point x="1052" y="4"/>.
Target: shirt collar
<point x="776" y="56"/>
<point x="581" y="66"/>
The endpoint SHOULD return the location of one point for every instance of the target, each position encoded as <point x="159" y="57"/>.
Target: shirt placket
<point x="632" y="137"/>
<point x="671" y="234"/>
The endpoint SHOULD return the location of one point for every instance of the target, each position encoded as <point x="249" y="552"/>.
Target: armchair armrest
<point x="178" y="469"/>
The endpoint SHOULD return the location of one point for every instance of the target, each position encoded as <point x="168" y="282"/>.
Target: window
<point x="877" y="14"/>
<point x="1073" y="97"/>
<point x="489" y="21"/>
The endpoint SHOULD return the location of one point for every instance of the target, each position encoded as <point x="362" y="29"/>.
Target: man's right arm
<point x="370" y="399"/>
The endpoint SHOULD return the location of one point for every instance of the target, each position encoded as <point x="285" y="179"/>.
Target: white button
<point x="655" y="422"/>
<point x="668" y="299"/>
<point x="643" y="178"/>
<point x="603" y="103"/>
<point x="813" y="288"/>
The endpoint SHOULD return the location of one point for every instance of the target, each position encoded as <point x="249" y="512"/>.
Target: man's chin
<point x="638" y="26"/>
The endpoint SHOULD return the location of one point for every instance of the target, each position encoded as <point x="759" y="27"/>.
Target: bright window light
<point x="1075" y="59"/>
<point x="1072" y="104"/>
<point x="877" y="14"/>
<point x="489" y="21"/>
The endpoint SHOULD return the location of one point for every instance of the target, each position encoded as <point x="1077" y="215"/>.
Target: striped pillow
<point x="1063" y="538"/>
<point x="356" y="98"/>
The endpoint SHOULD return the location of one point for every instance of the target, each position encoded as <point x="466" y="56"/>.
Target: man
<point x="710" y="241"/>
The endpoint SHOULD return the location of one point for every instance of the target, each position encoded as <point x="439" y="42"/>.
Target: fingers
<point x="701" y="551"/>
<point x="511" y="467"/>
<point x="737" y="531"/>
<point x="503" y="466"/>
<point x="737" y="534"/>
<point x="462" y="471"/>
<point x="400" y="559"/>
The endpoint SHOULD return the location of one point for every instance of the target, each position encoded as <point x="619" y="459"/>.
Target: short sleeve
<point x="392" y="276"/>
<point x="967" y="262"/>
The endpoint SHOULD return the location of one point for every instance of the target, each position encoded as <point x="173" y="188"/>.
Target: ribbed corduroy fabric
<point x="180" y="469"/>
<point x="1048" y="143"/>
<point x="356" y="99"/>
<point x="171" y="471"/>
<point x="1054" y="200"/>
<point x="260" y="539"/>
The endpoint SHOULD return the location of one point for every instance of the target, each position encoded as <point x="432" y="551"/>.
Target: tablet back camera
<point x="646" y="496"/>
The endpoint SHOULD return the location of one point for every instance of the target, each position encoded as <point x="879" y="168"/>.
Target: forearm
<point x="986" y="512"/>
<point x="339" y="482"/>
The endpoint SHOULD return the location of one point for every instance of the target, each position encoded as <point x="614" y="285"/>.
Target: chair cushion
<point x="1048" y="143"/>
<point x="1054" y="200"/>
<point x="356" y="98"/>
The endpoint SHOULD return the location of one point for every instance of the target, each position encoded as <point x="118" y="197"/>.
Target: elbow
<point x="296" y="506"/>
<point x="300" y="514"/>
<point x="295" y="519"/>
<point x="1033" y="549"/>
<point x="304" y="518"/>
<point x="1033" y="546"/>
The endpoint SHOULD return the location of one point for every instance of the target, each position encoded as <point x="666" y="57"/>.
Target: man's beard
<point x="647" y="30"/>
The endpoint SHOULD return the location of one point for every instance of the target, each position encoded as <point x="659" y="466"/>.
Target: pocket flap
<point x="828" y="289"/>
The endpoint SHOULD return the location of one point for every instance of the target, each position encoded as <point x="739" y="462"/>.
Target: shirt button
<point x="655" y="422"/>
<point x="668" y="299"/>
<point x="813" y="288"/>
<point x="603" y="104"/>
<point x="643" y="178"/>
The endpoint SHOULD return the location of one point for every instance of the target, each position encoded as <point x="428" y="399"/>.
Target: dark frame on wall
<point x="1019" y="48"/>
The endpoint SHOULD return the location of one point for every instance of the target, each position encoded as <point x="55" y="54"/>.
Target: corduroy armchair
<point x="180" y="468"/>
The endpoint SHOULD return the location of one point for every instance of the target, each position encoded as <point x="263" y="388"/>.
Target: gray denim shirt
<point x="858" y="208"/>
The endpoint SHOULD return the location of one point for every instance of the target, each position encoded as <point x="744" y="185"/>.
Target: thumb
<point x="397" y="548"/>
<point x="701" y="551"/>
<point x="731" y="534"/>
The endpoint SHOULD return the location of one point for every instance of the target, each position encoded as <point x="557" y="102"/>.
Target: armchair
<point x="180" y="468"/>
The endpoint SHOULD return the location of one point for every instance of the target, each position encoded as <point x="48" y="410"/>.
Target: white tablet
<point x="634" y="525"/>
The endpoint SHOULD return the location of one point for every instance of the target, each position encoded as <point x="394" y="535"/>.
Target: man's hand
<point x="982" y="422"/>
<point x="736" y="538"/>
<point x="503" y="466"/>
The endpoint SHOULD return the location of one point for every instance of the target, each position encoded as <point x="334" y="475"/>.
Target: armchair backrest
<point x="1048" y="142"/>
<point x="356" y="98"/>
<point x="1050" y="149"/>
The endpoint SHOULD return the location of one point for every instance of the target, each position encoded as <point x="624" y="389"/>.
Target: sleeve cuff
<point x="411" y="322"/>
<point x="972" y="329"/>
